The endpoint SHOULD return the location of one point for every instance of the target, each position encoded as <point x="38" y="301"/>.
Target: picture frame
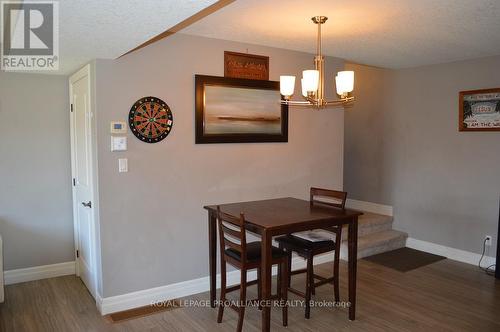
<point x="235" y="110"/>
<point x="243" y="65"/>
<point x="479" y="110"/>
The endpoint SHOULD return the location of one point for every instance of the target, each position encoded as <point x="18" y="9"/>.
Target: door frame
<point x="85" y="71"/>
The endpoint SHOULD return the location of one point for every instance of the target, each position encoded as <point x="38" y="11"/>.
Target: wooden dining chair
<point x="235" y="250"/>
<point x="322" y="244"/>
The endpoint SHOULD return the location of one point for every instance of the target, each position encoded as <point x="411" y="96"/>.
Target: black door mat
<point x="404" y="259"/>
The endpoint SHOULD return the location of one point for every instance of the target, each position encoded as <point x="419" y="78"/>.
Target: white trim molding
<point x="369" y="207"/>
<point x="451" y="253"/>
<point x="98" y="302"/>
<point x="39" y="272"/>
<point x="87" y="71"/>
<point x="146" y="297"/>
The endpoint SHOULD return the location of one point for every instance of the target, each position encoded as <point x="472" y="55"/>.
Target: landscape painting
<point x="232" y="110"/>
<point x="241" y="110"/>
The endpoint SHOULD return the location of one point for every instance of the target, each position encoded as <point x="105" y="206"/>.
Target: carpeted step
<point x="370" y="223"/>
<point x="376" y="243"/>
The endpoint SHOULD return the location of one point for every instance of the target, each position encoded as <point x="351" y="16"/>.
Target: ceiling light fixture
<point x="313" y="81"/>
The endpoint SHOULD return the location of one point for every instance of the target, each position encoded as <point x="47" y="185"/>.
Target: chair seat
<point x="253" y="252"/>
<point x="297" y="244"/>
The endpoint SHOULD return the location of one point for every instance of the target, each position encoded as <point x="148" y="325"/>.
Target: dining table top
<point x="277" y="213"/>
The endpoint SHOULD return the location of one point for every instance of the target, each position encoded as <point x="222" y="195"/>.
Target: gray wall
<point x="364" y="145"/>
<point x="152" y="225"/>
<point x="35" y="192"/>
<point x="444" y="184"/>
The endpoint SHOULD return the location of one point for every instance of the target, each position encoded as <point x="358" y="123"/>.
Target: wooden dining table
<point x="274" y="217"/>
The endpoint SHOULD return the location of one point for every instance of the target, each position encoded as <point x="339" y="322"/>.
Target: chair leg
<point x="278" y="280"/>
<point x="309" y="278"/>
<point x="289" y="268"/>
<point x="222" y="290"/>
<point x="243" y="299"/>
<point x="284" y="291"/>
<point x="336" y="262"/>
<point x="336" y="287"/>
<point x="313" y="288"/>
<point x="259" y="287"/>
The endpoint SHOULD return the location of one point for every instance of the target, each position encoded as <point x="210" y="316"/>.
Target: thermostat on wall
<point x="118" y="127"/>
<point x="118" y="143"/>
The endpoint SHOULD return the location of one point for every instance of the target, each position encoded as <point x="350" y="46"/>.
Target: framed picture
<point x="242" y="65"/>
<point x="235" y="110"/>
<point x="479" y="110"/>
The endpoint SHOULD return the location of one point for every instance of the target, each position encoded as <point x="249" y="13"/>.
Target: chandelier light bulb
<point x="304" y="91"/>
<point x="287" y="85"/>
<point x="344" y="82"/>
<point x="310" y="80"/>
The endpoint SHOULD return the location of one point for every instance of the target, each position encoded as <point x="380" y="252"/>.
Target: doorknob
<point x="89" y="204"/>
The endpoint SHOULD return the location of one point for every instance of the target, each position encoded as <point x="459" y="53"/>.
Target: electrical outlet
<point x="487" y="240"/>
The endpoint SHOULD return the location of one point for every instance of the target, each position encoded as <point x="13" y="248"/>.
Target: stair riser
<point x="369" y="229"/>
<point x="385" y="246"/>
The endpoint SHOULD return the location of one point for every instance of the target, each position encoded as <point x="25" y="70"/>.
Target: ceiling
<point x="384" y="33"/>
<point x="90" y="29"/>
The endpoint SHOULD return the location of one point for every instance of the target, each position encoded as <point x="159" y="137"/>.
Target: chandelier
<point x="313" y="81"/>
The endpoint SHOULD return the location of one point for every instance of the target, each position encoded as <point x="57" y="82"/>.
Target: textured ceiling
<point x="384" y="33"/>
<point x="106" y="29"/>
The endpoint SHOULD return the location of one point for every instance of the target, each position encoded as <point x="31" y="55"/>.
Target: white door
<point x="83" y="200"/>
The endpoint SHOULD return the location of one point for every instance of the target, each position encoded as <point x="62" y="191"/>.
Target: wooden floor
<point x="444" y="296"/>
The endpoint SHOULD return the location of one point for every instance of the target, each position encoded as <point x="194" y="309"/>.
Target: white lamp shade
<point x="338" y="85"/>
<point x="310" y="80"/>
<point x="287" y="85"/>
<point x="304" y="91"/>
<point x="344" y="82"/>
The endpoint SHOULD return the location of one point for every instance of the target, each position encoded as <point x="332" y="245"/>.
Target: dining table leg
<point x="212" y="261"/>
<point x="266" y="271"/>
<point x="352" y="264"/>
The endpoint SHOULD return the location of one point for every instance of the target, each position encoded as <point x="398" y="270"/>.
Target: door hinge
<point x="71" y="107"/>
<point x="74" y="182"/>
<point x="77" y="254"/>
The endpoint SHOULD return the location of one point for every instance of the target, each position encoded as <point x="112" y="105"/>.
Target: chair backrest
<point x="232" y="233"/>
<point x="328" y="197"/>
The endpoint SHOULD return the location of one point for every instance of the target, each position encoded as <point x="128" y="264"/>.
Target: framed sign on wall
<point x="235" y="110"/>
<point x="479" y="110"/>
<point x="243" y="65"/>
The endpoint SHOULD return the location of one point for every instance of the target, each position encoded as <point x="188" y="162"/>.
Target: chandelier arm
<point x="296" y="103"/>
<point x="311" y="100"/>
<point x="339" y="102"/>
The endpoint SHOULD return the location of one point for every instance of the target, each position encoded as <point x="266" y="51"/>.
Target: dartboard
<point x="150" y="119"/>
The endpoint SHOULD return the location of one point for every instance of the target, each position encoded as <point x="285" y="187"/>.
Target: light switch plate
<point x="118" y="143"/>
<point x="122" y="165"/>
<point x="118" y="127"/>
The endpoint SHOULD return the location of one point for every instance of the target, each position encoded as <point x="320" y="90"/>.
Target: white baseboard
<point x="370" y="207"/>
<point x="39" y="272"/>
<point x="145" y="297"/>
<point x="448" y="252"/>
<point x="98" y="302"/>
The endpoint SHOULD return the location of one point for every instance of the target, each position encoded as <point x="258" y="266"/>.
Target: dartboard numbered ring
<point x="150" y="119"/>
